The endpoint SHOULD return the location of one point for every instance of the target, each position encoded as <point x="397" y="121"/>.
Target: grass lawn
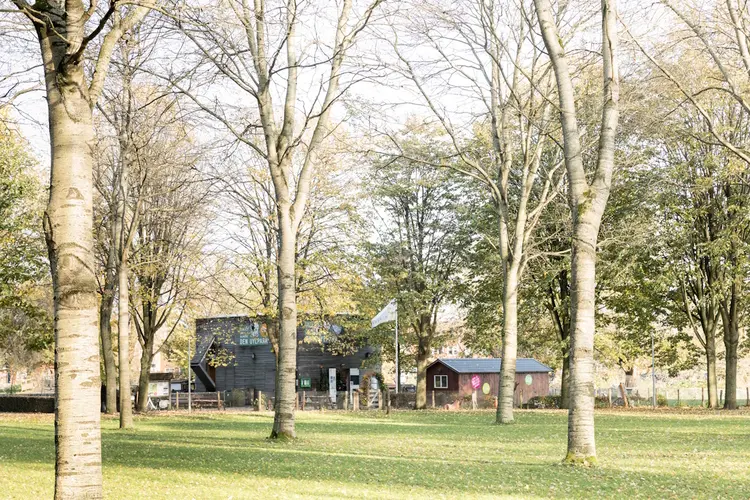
<point x="436" y="454"/>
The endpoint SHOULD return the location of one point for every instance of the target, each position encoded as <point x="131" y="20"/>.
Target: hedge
<point x="27" y="404"/>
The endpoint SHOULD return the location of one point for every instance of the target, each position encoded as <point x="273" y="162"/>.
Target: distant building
<point x="234" y="352"/>
<point x="455" y="375"/>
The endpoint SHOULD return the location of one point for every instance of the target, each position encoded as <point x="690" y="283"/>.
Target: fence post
<point x="218" y="400"/>
<point x="609" y="396"/>
<point x="304" y="396"/>
<point x="702" y="398"/>
<point x="260" y="400"/>
<point x="721" y="396"/>
<point x="346" y="401"/>
<point x="177" y="397"/>
<point x="433" y="399"/>
<point x="355" y="400"/>
<point x="388" y="401"/>
<point x="747" y="396"/>
<point x="678" y="397"/>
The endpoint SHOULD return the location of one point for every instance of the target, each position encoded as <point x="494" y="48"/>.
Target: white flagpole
<point x="398" y="373"/>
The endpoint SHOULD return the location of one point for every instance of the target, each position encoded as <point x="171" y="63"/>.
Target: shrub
<point x="27" y="404"/>
<point x="13" y="389"/>
<point x="544" y="402"/>
<point x="661" y="400"/>
<point x="236" y="398"/>
<point x="602" y="402"/>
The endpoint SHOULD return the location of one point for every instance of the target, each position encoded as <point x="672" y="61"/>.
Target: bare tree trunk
<point x="711" y="383"/>
<point x="283" y="423"/>
<point x="587" y="203"/>
<point x="730" y="322"/>
<point x="68" y="227"/>
<point x="507" y="384"/>
<point x="143" y="376"/>
<point x="105" y="336"/>
<point x="423" y="353"/>
<point x="581" y="443"/>
<point x="123" y="327"/>
<point x="565" y="381"/>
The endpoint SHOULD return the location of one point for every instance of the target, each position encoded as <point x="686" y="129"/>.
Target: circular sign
<point x="528" y="380"/>
<point x="486" y="388"/>
<point x="475" y="382"/>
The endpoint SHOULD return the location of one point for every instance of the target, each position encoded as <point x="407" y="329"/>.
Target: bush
<point x="602" y="402"/>
<point x="661" y="400"/>
<point x="27" y="404"/>
<point x="13" y="389"/>
<point x="544" y="402"/>
<point x="235" y="398"/>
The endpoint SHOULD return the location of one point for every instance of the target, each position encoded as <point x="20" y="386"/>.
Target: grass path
<point x="669" y="454"/>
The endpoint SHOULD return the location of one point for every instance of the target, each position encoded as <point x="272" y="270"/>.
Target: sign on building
<point x="253" y="333"/>
<point x="332" y="384"/>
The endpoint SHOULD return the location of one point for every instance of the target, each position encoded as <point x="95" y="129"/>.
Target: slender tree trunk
<point x="731" y="325"/>
<point x="143" y="376"/>
<point x="123" y="327"/>
<point x="581" y="442"/>
<point x="711" y="383"/>
<point x="68" y="228"/>
<point x="507" y="384"/>
<point x="423" y="353"/>
<point x="105" y="335"/>
<point x="283" y="424"/>
<point x="587" y="203"/>
<point x="730" y="393"/>
<point x="565" y="382"/>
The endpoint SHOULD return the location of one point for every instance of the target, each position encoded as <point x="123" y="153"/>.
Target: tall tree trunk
<point x="123" y="327"/>
<point x="283" y="423"/>
<point x="68" y="228"/>
<point x="507" y="384"/>
<point x="147" y="355"/>
<point x="731" y="324"/>
<point x="105" y="336"/>
<point x="581" y="443"/>
<point x="587" y="203"/>
<point x="711" y="383"/>
<point x="423" y="353"/>
<point x="565" y="382"/>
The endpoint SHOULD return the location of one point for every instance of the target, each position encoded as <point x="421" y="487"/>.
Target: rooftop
<point x="492" y="365"/>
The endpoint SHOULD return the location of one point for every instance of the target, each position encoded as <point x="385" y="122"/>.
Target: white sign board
<point x="332" y="384"/>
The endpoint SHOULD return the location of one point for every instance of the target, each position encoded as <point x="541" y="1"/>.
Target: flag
<point x="387" y="314"/>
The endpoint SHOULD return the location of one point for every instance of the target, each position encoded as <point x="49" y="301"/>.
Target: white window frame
<point x="441" y="378"/>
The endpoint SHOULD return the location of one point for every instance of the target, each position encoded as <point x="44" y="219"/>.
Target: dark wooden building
<point x="234" y="352"/>
<point x="455" y="375"/>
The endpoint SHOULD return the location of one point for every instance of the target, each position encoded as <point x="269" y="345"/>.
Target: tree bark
<point x="731" y="323"/>
<point x="507" y="384"/>
<point x="423" y="354"/>
<point x="123" y="327"/>
<point x="565" y="382"/>
<point x="587" y="203"/>
<point x="105" y="336"/>
<point x="147" y="355"/>
<point x="711" y="383"/>
<point x="283" y="422"/>
<point x="68" y="228"/>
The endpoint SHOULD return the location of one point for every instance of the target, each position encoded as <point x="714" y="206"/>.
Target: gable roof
<point x="491" y="365"/>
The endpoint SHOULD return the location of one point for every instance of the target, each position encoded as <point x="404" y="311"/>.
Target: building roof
<point x="492" y="365"/>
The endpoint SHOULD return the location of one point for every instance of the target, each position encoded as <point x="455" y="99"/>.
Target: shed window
<point x="441" y="381"/>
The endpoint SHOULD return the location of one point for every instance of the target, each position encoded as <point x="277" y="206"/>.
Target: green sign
<point x="486" y="388"/>
<point x="305" y="383"/>
<point x="528" y="380"/>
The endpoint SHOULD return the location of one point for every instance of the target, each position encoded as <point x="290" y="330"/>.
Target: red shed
<point x="455" y="375"/>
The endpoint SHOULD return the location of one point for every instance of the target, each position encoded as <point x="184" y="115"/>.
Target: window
<point x="441" y="381"/>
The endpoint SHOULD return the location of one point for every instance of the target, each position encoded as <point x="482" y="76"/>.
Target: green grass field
<point x="668" y="454"/>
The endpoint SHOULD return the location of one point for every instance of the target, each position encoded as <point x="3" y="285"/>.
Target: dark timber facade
<point x="234" y="352"/>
